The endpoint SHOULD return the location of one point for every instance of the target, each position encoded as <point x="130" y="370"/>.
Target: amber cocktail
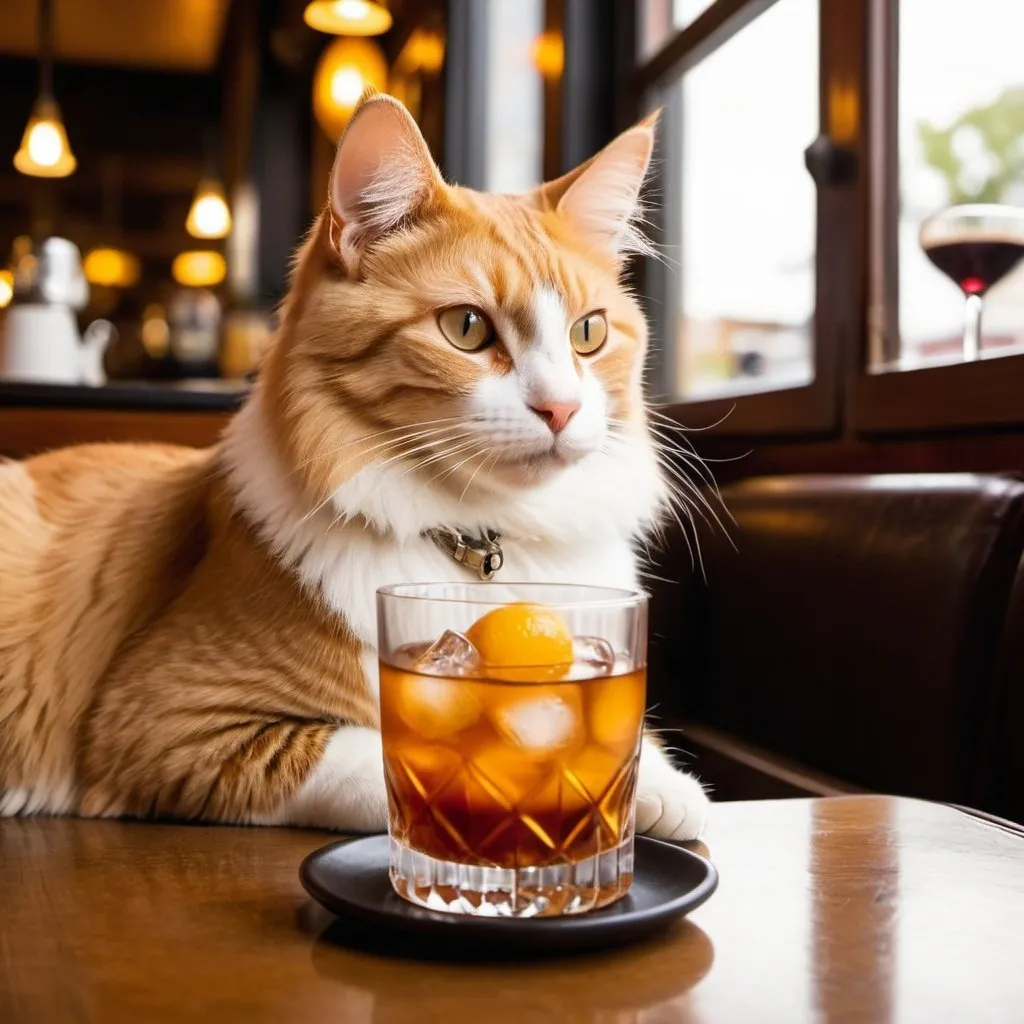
<point x="512" y="718"/>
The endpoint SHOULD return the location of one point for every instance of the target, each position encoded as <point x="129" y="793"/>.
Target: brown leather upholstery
<point x="855" y="628"/>
<point x="999" y="786"/>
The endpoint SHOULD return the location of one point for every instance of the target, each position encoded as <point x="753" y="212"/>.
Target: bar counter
<point x="39" y="417"/>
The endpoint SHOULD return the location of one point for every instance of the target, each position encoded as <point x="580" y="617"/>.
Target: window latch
<point x="830" y="164"/>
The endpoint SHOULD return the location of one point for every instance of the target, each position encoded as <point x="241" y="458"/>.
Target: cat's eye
<point x="588" y="334"/>
<point x="466" y="328"/>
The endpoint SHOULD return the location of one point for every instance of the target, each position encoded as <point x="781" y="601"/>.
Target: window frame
<point x="813" y="408"/>
<point x="856" y="258"/>
<point x="956" y="395"/>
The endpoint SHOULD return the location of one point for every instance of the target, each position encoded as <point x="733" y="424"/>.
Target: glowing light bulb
<point x="346" y="69"/>
<point x="156" y="332"/>
<point x="549" y="54"/>
<point x="209" y="216"/>
<point x="6" y="288"/>
<point x="423" y="52"/>
<point x="348" y="17"/>
<point x="44" y="151"/>
<point x="199" y="269"/>
<point x="111" y="268"/>
<point x="352" y="10"/>
<point x="346" y="87"/>
<point x="44" y="143"/>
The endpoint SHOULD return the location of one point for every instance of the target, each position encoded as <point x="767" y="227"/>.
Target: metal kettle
<point x="41" y="342"/>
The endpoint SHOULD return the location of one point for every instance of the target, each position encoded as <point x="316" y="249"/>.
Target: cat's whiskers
<point x="427" y="446"/>
<point x="680" y="434"/>
<point x="469" y="442"/>
<point x="684" y="499"/>
<point x="668" y="445"/>
<point x="692" y="430"/>
<point x="434" y="439"/>
<point x="664" y="459"/>
<point x="448" y="471"/>
<point x="482" y="454"/>
<point x="472" y="477"/>
<point x="415" y="428"/>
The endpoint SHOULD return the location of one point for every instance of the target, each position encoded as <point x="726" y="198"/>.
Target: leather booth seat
<point x="867" y="627"/>
<point x="999" y="786"/>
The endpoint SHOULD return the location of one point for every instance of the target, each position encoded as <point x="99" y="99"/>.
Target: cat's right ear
<point x="383" y="175"/>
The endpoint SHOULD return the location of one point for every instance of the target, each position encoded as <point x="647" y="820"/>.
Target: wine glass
<point x="975" y="245"/>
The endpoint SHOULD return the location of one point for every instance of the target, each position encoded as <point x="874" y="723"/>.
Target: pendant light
<point x="209" y="215"/>
<point x="200" y="268"/>
<point x="109" y="265"/>
<point x="548" y="52"/>
<point x="45" y="152"/>
<point x="348" y="17"/>
<point x="347" y="68"/>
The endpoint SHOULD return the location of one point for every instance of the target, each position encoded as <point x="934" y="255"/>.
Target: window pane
<point x="748" y="214"/>
<point x="515" y="100"/>
<point x="659" y="19"/>
<point x="961" y="140"/>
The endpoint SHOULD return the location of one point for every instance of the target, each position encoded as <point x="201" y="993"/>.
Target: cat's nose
<point x="556" y="414"/>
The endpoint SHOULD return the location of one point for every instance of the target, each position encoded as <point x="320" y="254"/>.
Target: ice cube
<point x="538" y="725"/>
<point x="591" y="656"/>
<point x="432" y="701"/>
<point x="407" y="655"/>
<point x="451" y="654"/>
<point x="617" y="711"/>
<point x="436" y="708"/>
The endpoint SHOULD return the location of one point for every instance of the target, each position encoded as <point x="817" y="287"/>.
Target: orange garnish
<point x="524" y="642"/>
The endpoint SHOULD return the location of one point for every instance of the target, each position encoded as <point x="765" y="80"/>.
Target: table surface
<point x="861" y="908"/>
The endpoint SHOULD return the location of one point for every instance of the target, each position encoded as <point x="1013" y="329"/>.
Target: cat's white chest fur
<point x="350" y="579"/>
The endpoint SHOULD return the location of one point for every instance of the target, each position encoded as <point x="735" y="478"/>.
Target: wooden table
<point x="844" y="909"/>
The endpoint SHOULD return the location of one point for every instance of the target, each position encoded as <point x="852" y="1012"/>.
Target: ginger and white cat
<point x="191" y="633"/>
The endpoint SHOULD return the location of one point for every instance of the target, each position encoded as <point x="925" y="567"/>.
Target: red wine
<point x="976" y="264"/>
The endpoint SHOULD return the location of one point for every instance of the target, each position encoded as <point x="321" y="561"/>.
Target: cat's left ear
<point x="383" y="175"/>
<point x="601" y="198"/>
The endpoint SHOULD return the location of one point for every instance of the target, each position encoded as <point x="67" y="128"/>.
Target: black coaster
<point x="350" y="878"/>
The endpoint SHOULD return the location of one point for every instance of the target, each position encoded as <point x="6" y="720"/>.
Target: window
<point x="514" y="87"/>
<point x="735" y="306"/>
<point x="745" y="238"/>
<point x="787" y="302"/>
<point x="494" y="95"/>
<point x="960" y="136"/>
<point x="945" y="96"/>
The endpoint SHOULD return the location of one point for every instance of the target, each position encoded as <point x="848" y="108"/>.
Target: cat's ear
<point x="601" y="198"/>
<point x="383" y="174"/>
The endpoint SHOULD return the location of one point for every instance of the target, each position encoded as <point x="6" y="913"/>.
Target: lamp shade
<point x="346" y="69"/>
<point x="199" y="268"/>
<point x="111" y="268"/>
<point x="348" y="17"/>
<point x="45" y="151"/>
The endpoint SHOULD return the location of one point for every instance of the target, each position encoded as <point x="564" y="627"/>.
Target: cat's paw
<point x="670" y="804"/>
<point x="345" y="791"/>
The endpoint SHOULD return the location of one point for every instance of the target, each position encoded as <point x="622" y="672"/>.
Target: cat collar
<point x="482" y="555"/>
